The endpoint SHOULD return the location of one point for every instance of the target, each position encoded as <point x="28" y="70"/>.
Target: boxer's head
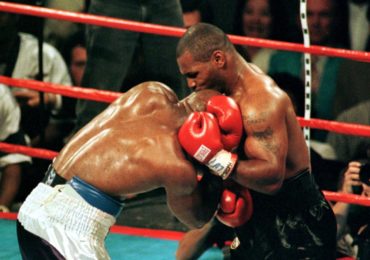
<point x="197" y="101"/>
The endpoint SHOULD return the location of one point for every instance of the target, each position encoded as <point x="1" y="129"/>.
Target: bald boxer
<point x="291" y="218"/>
<point x="130" y="148"/>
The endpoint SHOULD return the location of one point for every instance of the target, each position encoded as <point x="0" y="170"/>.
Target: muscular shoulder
<point x="264" y="94"/>
<point x="159" y="89"/>
<point x="146" y="97"/>
<point x="264" y="103"/>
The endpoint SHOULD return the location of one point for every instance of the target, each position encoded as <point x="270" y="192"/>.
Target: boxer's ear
<point x="218" y="58"/>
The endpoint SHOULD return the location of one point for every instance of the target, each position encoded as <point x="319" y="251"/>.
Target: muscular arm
<point x="341" y="209"/>
<point x="9" y="184"/>
<point x="262" y="166"/>
<point x="197" y="205"/>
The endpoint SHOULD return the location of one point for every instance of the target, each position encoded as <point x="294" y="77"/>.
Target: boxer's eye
<point x="192" y="75"/>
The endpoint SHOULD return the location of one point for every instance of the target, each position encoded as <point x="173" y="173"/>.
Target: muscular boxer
<point x="130" y="148"/>
<point x="291" y="218"/>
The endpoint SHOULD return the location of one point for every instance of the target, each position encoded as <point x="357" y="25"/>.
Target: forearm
<point x="341" y="211"/>
<point x="210" y="187"/>
<point x="258" y="175"/>
<point x="200" y="206"/>
<point x="209" y="193"/>
<point x="193" y="216"/>
<point x="9" y="184"/>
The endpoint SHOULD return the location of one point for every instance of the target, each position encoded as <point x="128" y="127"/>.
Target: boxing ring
<point x="6" y="219"/>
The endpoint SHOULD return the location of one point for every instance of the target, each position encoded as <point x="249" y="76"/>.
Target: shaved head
<point x="201" y="40"/>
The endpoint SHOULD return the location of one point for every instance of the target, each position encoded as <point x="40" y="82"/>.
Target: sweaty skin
<point x="291" y="218"/>
<point x="132" y="147"/>
<point x="268" y="156"/>
<point x="274" y="135"/>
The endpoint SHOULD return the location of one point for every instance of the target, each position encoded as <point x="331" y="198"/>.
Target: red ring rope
<point x="347" y="198"/>
<point x="70" y="91"/>
<point x="337" y="127"/>
<point x="174" y="31"/>
<point x="109" y="96"/>
<point x="33" y="152"/>
<point x="124" y="230"/>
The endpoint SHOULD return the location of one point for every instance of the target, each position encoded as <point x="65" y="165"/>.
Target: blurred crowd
<point x="109" y="59"/>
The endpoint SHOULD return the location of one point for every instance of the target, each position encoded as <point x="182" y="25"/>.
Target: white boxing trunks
<point x="62" y="217"/>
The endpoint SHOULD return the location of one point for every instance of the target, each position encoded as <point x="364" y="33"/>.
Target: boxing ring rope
<point x="69" y="91"/>
<point x="125" y="230"/>
<point x="30" y="151"/>
<point x="107" y="96"/>
<point x="173" y="31"/>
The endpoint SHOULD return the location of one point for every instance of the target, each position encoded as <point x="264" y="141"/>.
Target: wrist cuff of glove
<point x="222" y="164"/>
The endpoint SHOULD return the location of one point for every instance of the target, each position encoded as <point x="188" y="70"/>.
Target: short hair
<point x="201" y="40"/>
<point x="74" y="40"/>
<point x="190" y="5"/>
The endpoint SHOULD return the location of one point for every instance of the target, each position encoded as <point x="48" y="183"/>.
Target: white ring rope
<point x="307" y="69"/>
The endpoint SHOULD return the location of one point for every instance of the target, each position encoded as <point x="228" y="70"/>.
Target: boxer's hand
<point x="31" y="98"/>
<point x="235" y="209"/>
<point x="229" y="119"/>
<point x="200" y="137"/>
<point x="4" y="209"/>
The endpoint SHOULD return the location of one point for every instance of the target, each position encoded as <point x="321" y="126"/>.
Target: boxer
<point x="291" y="218"/>
<point x="130" y="148"/>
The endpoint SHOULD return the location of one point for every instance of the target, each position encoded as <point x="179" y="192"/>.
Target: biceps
<point x="267" y="144"/>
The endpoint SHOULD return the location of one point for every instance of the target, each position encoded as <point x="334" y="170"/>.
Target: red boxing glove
<point x="229" y="119"/>
<point x="200" y="137"/>
<point x="235" y="209"/>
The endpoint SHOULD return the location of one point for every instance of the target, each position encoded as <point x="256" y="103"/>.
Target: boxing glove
<point x="236" y="208"/>
<point x="229" y="119"/>
<point x="200" y="137"/>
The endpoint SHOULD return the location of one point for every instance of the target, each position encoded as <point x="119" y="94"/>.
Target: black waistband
<point x="299" y="190"/>
<point x="302" y="178"/>
<point x="52" y="178"/>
